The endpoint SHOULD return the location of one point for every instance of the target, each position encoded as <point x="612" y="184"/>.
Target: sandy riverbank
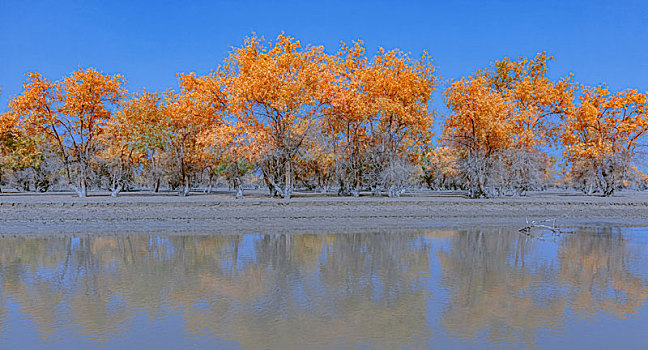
<point x="143" y="213"/>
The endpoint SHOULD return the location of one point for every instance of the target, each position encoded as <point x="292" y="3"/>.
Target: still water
<point x="442" y="289"/>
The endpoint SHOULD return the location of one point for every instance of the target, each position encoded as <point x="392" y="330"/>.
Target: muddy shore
<point x="146" y="213"/>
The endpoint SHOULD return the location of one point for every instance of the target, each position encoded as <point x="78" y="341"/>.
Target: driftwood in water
<point x="543" y="227"/>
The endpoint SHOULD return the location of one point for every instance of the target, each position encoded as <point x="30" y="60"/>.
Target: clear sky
<point x="150" y="41"/>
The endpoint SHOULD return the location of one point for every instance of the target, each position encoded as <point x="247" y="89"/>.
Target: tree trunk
<point x="238" y="184"/>
<point x="117" y="189"/>
<point x="184" y="178"/>
<point x="392" y="182"/>
<point x="288" y="183"/>
<point x="273" y="188"/>
<point x="210" y="184"/>
<point x="186" y="188"/>
<point x="82" y="186"/>
<point x="266" y="179"/>
<point x="357" y="178"/>
<point x="393" y="191"/>
<point x="589" y="189"/>
<point x="82" y="189"/>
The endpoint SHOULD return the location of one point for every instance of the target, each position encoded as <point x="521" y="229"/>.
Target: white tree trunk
<point x="288" y="189"/>
<point x="185" y="188"/>
<point x="82" y="189"/>
<point x="117" y="189"/>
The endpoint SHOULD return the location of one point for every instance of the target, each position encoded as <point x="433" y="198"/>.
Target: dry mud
<point x="63" y="214"/>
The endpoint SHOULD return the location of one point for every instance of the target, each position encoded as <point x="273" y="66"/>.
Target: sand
<point x="166" y="213"/>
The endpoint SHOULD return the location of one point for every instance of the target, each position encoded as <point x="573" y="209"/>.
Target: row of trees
<point x="504" y="119"/>
<point x="293" y="116"/>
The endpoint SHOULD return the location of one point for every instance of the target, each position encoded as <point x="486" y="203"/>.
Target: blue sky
<point x="149" y="42"/>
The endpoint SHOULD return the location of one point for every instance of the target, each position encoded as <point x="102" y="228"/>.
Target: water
<point x="443" y="289"/>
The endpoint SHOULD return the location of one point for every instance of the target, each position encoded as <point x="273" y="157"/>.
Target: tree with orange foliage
<point x="25" y="158"/>
<point x="22" y="156"/>
<point x="226" y="148"/>
<point x="537" y="104"/>
<point x="501" y="119"/>
<point x="315" y="165"/>
<point x="131" y="141"/>
<point x="72" y="113"/>
<point x="601" y="137"/>
<point x="534" y="98"/>
<point x="476" y="130"/>
<point x="230" y="153"/>
<point x="187" y="117"/>
<point x="439" y="168"/>
<point x="379" y="113"/>
<point x="137" y="137"/>
<point x="277" y="92"/>
<point x="397" y="94"/>
<point x="347" y="119"/>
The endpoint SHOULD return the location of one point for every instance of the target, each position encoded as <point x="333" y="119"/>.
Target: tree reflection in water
<point x="316" y="291"/>
<point x="597" y="269"/>
<point x="493" y="289"/>
<point x="265" y="291"/>
<point x="497" y="290"/>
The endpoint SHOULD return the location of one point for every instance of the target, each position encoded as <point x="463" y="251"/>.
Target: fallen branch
<point x="537" y="225"/>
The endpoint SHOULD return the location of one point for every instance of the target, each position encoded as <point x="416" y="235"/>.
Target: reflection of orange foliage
<point x="350" y="288"/>
<point x="495" y="289"/>
<point x="245" y="290"/>
<point x="489" y="292"/>
<point x="595" y="267"/>
<point x="108" y="280"/>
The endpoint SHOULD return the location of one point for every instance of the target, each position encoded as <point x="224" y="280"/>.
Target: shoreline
<point x="221" y="214"/>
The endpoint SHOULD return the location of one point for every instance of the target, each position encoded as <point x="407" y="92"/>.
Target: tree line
<point x="282" y="116"/>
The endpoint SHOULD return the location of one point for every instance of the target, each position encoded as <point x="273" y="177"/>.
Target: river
<point x="438" y="289"/>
